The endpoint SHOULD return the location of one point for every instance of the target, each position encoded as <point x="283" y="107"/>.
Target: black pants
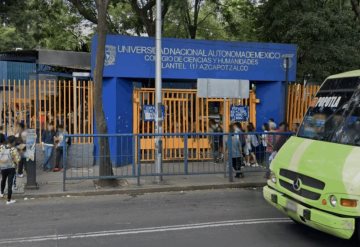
<point x="59" y="154"/>
<point x="8" y="174"/>
<point x="236" y="164"/>
<point x="21" y="166"/>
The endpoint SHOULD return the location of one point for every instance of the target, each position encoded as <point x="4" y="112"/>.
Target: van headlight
<point x="333" y="200"/>
<point x="273" y="177"/>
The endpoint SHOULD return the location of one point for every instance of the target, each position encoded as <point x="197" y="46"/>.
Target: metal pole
<point x="74" y="116"/>
<point x="286" y="66"/>
<point x="286" y="86"/>
<point x="224" y="131"/>
<point x="158" y="99"/>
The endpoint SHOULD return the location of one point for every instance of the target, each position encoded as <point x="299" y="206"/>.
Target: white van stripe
<point x="298" y="154"/>
<point x="351" y="172"/>
<point x="144" y="230"/>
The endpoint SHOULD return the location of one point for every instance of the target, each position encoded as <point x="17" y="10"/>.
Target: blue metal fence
<point x="222" y="153"/>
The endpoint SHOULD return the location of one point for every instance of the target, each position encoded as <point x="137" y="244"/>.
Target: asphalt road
<point x="200" y="218"/>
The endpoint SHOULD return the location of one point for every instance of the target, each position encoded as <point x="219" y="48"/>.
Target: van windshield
<point x="334" y="115"/>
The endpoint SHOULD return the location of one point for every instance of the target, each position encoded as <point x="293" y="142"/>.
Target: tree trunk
<point x="100" y="121"/>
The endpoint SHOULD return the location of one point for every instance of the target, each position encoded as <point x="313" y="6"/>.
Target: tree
<point x="326" y="34"/>
<point x="194" y="15"/>
<point x="42" y="31"/>
<point x="238" y="18"/>
<point x="97" y="12"/>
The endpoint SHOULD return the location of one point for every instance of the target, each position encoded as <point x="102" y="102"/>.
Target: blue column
<point x="117" y="103"/>
<point x="272" y="102"/>
<point x="124" y="121"/>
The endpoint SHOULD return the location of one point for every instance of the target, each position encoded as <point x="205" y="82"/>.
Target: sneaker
<point x="10" y="202"/>
<point x="20" y="175"/>
<point x="1" y="195"/>
<point x="15" y="187"/>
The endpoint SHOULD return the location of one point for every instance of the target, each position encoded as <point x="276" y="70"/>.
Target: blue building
<point x="129" y="63"/>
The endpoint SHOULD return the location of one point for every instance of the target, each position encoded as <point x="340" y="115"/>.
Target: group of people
<point x="53" y="142"/>
<point x="247" y="147"/>
<point x="12" y="160"/>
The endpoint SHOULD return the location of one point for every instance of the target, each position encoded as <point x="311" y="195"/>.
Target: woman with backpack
<point x="9" y="159"/>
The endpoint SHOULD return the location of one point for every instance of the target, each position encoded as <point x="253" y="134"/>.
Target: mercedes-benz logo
<point x="297" y="184"/>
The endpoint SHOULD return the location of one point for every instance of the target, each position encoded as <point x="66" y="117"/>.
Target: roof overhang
<point x="66" y="59"/>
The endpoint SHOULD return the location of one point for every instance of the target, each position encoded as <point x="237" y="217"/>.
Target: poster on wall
<point x="149" y="112"/>
<point x="239" y="113"/>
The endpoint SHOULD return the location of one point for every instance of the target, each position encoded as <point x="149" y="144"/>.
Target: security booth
<point x="129" y="95"/>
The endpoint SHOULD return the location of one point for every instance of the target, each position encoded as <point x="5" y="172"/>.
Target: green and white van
<point x="315" y="177"/>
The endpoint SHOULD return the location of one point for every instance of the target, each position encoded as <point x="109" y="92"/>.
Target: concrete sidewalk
<point x="50" y="185"/>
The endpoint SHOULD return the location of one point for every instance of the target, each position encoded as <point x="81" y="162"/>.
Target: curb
<point x="141" y="191"/>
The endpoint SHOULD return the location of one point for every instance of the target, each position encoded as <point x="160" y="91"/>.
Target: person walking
<point x="9" y="159"/>
<point x="48" y="145"/>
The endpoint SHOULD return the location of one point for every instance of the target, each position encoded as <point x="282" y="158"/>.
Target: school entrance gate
<point x="129" y="65"/>
<point x="184" y="113"/>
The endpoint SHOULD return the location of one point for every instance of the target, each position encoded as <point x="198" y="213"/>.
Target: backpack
<point x="254" y="141"/>
<point x="5" y="159"/>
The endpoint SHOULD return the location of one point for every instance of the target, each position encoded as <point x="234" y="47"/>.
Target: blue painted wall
<point x="272" y="102"/>
<point x="117" y="102"/>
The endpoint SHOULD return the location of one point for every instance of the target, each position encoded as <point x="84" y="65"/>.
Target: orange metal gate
<point x="299" y="99"/>
<point x="36" y="103"/>
<point x="184" y="113"/>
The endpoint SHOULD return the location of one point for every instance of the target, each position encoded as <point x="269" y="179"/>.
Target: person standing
<point x="252" y="143"/>
<point x="9" y="159"/>
<point x="48" y="145"/>
<point x="20" y="134"/>
<point x="269" y="140"/>
<point x="272" y="123"/>
<point x="236" y="148"/>
<point x="215" y="139"/>
<point x="280" y="139"/>
<point x="60" y="142"/>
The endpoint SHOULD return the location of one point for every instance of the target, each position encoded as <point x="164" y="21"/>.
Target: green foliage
<point x="238" y="18"/>
<point x="325" y="31"/>
<point x="31" y="24"/>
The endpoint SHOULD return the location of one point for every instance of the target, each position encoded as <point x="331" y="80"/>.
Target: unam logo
<point x="110" y="55"/>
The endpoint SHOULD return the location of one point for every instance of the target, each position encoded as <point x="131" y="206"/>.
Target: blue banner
<point x="239" y="113"/>
<point x="134" y="57"/>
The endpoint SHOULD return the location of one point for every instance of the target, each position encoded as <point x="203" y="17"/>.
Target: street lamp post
<point x="158" y="98"/>
<point x="286" y="65"/>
